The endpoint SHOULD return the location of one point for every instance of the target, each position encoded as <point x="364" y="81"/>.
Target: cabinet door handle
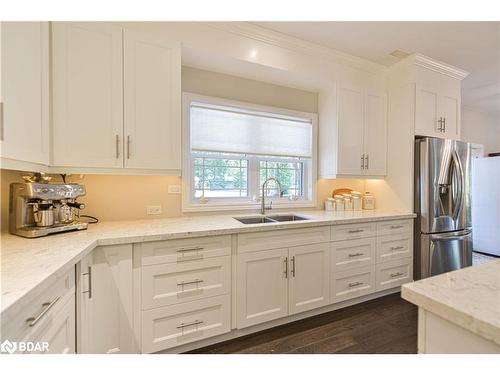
<point x="1" y="121"/>
<point x="363" y="161"/>
<point x="397" y="248"/>
<point x="355" y="284"/>
<point x="397" y="274"/>
<point x="46" y="307"/>
<point x="89" y="274"/>
<point x="117" y="146"/>
<point x="285" y="273"/>
<point x="188" y="249"/>
<point x="184" y="325"/>
<point x="444" y="124"/>
<point x="396" y="226"/>
<point x="293" y="266"/>
<point x="355" y="255"/>
<point x="128" y="146"/>
<point x="197" y="281"/>
<point x="356" y="230"/>
<point x="367" y="159"/>
<point x="440" y="126"/>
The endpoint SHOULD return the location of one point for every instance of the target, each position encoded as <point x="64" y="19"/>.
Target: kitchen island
<point x="458" y="312"/>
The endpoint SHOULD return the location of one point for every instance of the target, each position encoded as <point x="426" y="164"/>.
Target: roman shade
<point x="216" y="128"/>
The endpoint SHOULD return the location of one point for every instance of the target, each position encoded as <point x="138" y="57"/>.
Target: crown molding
<point x="438" y="66"/>
<point x="264" y="35"/>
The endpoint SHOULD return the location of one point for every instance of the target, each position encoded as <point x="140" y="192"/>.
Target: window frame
<point x="191" y="204"/>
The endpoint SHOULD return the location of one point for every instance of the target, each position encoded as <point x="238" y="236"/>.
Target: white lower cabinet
<point x="394" y="273"/>
<point x="349" y="254"/>
<point x="261" y="286"/>
<point x="105" y="290"/>
<point x="352" y="283"/>
<point x="309" y="280"/>
<point x="171" y="326"/>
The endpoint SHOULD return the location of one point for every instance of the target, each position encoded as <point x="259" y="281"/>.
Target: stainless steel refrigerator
<point x="443" y="228"/>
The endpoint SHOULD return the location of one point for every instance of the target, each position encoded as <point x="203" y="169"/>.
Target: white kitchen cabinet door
<point x="24" y="131"/>
<point x="152" y="99"/>
<point x="87" y="95"/>
<point x="262" y="286"/>
<point x="449" y="110"/>
<point x="375" y="134"/>
<point x="309" y="279"/>
<point x="426" y="112"/>
<point x="350" y="130"/>
<point x="106" y="304"/>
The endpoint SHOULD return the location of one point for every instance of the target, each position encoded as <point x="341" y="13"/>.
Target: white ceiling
<point x="472" y="46"/>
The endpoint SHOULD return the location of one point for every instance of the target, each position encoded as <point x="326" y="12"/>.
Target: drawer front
<point x="353" y="231"/>
<point x="352" y="283"/>
<point x="32" y="317"/>
<point x="181" y="250"/>
<point x="280" y="238"/>
<point x="171" y="283"/>
<point x="394" y="227"/>
<point x="353" y="253"/>
<point x="167" y="327"/>
<point x="394" y="273"/>
<point x="394" y="247"/>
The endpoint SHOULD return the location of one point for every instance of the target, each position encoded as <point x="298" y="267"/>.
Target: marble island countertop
<point x="469" y="298"/>
<point x="29" y="265"/>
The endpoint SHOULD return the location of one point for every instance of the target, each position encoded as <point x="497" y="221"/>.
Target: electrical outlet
<point x="153" y="210"/>
<point x="174" y="189"/>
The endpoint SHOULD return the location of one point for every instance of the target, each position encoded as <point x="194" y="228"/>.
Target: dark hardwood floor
<point x="385" y="325"/>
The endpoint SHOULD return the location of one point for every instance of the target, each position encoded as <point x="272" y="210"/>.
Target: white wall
<point x="481" y="128"/>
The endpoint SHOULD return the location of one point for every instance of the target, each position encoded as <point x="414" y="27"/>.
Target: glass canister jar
<point x="339" y="203"/>
<point x="368" y="201"/>
<point x="347" y="202"/>
<point x="357" y="200"/>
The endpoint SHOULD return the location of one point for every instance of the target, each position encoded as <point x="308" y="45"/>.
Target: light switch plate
<point x="174" y="189"/>
<point x="153" y="210"/>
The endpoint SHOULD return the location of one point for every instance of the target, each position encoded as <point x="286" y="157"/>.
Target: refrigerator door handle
<point x="459" y="203"/>
<point x="443" y="237"/>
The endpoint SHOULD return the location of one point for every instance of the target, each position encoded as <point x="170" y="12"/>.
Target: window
<point x="232" y="148"/>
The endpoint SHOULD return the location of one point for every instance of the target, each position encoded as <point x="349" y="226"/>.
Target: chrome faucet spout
<point x="262" y="202"/>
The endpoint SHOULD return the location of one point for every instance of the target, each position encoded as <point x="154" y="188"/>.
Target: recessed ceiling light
<point x="399" y="54"/>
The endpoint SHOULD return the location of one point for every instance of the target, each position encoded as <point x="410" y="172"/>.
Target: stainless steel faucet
<point x="262" y="202"/>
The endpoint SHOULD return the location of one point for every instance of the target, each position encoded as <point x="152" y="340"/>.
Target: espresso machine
<point x="38" y="208"/>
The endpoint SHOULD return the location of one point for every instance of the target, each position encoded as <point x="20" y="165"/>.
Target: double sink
<point x="270" y="219"/>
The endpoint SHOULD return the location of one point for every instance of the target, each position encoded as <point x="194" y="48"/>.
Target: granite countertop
<point x="29" y="265"/>
<point x="469" y="297"/>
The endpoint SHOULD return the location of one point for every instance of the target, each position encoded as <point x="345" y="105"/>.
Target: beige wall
<point x="126" y="197"/>
<point x="481" y="128"/>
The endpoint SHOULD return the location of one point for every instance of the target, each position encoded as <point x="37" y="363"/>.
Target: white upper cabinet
<point x="356" y="136"/>
<point x="152" y="96"/>
<point x="24" y="131"/>
<point x="116" y="101"/>
<point x="87" y="95"/>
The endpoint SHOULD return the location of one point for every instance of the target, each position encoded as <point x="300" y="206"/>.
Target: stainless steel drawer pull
<point x="46" y="307"/>
<point x="396" y="226"/>
<point x="355" y="284"/>
<point x="397" y="248"/>
<point x="89" y="290"/>
<point x="188" y="249"/>
<point x="197" y="281"/>
<point x="355" y="255"/>
<point x="356" y="230"/>
<point x="195" y="323"/>
<point x="285" y="273"/>
<point x="293" y="266"/>
<point x="397" y="274"/>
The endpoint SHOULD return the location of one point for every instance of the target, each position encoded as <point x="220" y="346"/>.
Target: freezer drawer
<point x="443" y="252"/>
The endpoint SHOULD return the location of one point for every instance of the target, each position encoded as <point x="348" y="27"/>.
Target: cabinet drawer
<point x="282" y="238"/>
<point x="353" y="253"/>
<point x="394" y="273"/>
<point x="352" y="283"/>
<point x="394" y="247"/>
<point x="186" y="249"/>
<point x="353" y="231"/>
<point x="171" y="283"/>
<point x="171" y="326"/>
<point x="394" y="227"/>
<point x="15" y="324"/>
